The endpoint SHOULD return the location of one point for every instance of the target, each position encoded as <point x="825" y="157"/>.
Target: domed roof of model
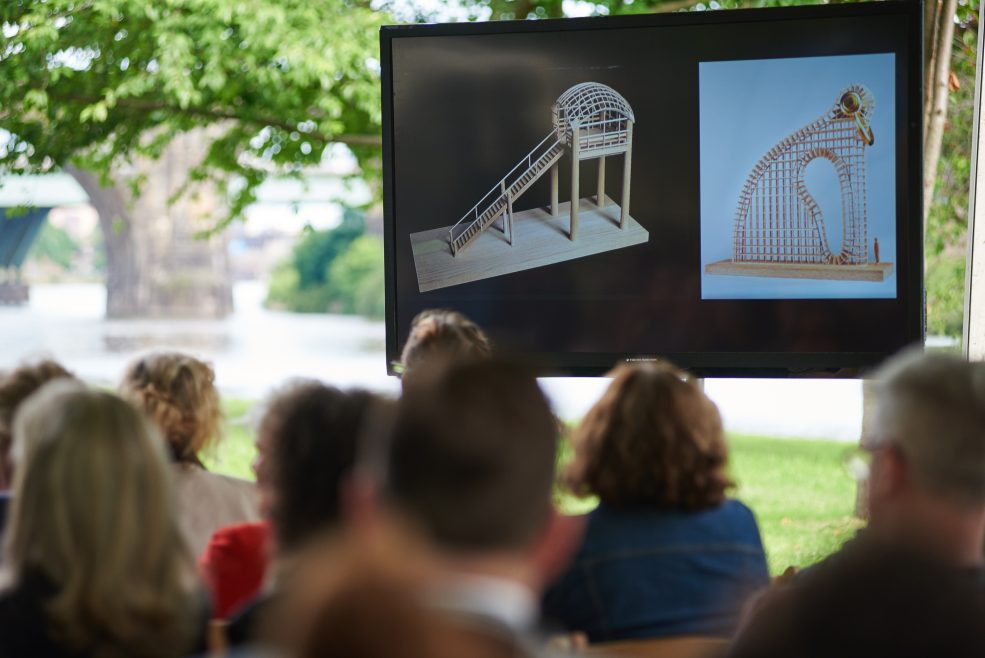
<point x="586" y="100"/>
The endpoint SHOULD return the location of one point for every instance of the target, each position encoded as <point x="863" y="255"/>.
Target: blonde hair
<point x="93" y="515"/>
<point x="654" y="439"/>
<point x="178" y="393"/>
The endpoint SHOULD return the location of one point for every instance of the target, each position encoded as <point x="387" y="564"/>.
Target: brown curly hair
<point x="441" y="334"/>
<point x="178" y="393"/>
<point x="654" y="439"/>
<point x="15" y="387"/>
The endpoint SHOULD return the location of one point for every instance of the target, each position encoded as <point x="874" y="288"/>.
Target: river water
<point x="255" y="349"/>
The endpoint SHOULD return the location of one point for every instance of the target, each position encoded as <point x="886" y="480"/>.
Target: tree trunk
<point x="939" y="35"/>
<point x="124" y="283"/>
<point x="156" y="265"/>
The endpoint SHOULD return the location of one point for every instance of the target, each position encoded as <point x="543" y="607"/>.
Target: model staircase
<point x="495" y="203"/>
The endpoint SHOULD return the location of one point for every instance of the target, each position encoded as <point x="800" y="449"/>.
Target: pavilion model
<point x="591" y="122"/>
<point x="779" y="229"/>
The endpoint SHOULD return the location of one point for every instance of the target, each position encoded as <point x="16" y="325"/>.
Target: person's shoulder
<point x="249" y="532"/>
<point x="738" y="509"/>
<point x="232" y="483"/>
<point x="237" y="538"/>
<point x="734" y="516"/>
<point x="23" y="627"/>
<point x="195" y="478"/>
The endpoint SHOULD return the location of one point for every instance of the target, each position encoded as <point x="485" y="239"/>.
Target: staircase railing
<point x="526" y="163"/>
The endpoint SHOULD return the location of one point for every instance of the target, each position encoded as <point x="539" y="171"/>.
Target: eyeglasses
<point x="858" y="462"/>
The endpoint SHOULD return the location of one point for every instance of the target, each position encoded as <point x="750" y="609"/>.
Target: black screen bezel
<point x="703" y="363"/>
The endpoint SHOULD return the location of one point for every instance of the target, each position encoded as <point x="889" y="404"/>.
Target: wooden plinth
<point x="867" y="272"/>
<point x="539" y="240"/>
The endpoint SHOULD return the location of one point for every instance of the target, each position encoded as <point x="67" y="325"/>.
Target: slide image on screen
<point x="591" y="122"/>
<point x="798" y="178"/>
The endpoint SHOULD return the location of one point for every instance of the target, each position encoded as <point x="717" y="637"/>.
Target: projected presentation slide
<point x="798" y="170"/>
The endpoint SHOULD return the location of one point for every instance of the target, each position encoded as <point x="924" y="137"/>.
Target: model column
<point x="575" y="192"/>
<point x="601" y="193"/>
<point x="626" y="174"/>
<point x="554" y="188"/>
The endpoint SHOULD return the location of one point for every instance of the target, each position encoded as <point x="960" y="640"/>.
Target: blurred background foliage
<point x="339" y="270"/>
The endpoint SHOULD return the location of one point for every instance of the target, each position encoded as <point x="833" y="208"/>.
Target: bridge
<point x="25" y="202"/>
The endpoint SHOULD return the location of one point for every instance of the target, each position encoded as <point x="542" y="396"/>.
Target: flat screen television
<point x="736" y="191"/>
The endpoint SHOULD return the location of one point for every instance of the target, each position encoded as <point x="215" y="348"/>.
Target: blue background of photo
<point x="746" y="107"/>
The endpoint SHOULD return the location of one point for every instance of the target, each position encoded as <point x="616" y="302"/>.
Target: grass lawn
<point x="801" y="494"/>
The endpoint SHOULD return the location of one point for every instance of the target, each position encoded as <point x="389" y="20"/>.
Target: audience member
<point x="15" y="387"/>
<point x="350" y="621"/>
<point x="665" y="552"/>
<point x="437" y="336"/>
<point x="470" y="464"/>
<point x="306" y="448"/>
<point x="913" y="582"/>
<point x="178" y="393"/>
<point x="96" y="565"/>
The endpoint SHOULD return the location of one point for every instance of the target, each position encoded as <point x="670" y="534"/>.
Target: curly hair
<point x="654" y="439"/>
<point x="178" y="393"/>
<point x="444" y="334"/>
<point x="16" y="387"/>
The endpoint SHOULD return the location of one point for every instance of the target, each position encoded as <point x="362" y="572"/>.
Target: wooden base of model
<point x="867" y="272"/>
<point x="539" y="239"/>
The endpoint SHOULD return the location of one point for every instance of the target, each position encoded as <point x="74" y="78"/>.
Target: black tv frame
<point x="704" y="364"/>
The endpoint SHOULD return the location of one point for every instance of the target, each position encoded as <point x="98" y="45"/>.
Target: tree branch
<point x="219" y="114"/>
<point x="938" y="88"/>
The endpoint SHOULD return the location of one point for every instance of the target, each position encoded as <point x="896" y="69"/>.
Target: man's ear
<point x="890" y="475"/>
<point x="557" y="545"/>
<point x="360" y="501"/>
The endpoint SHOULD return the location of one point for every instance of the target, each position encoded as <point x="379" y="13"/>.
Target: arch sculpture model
<point x="779" y="228"/>
<point x="591" y="121"/>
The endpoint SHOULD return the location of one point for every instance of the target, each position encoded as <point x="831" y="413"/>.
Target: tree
<point x="99" y="85"/>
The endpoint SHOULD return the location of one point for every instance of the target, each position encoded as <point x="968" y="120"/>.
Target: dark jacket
<point x="871" y="599"/>
<point x="24" y="628"/>
<point x="651" y="573"/>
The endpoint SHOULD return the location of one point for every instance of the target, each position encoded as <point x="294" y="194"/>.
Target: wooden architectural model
<point x="591" y="122"/>
<point x="779" y="229"/>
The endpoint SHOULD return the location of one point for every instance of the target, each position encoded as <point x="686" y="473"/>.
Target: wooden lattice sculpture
<point x="778" y="222"/>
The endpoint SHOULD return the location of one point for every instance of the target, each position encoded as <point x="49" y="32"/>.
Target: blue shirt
<point x="649" y="573"/>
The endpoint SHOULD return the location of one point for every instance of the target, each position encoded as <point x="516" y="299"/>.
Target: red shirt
<point x="234" y="565"/>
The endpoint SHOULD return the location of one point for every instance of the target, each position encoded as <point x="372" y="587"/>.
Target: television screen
<point x="736" y="191"/>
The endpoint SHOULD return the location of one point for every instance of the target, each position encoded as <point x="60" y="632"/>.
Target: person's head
<point x="15" y="387"/>
<point x="349" y="623"/>
<point x="306" y="447"/>
<point x="438" y="336"/>
<point x="178" y="393"/>
<point x="928" y="439"/>
<point x="470" y="461"/>
<point x="654" y="439"/>
<point x="93" y="516"/>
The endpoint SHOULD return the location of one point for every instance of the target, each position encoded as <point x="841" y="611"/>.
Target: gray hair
<point x="932" y="406"/>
